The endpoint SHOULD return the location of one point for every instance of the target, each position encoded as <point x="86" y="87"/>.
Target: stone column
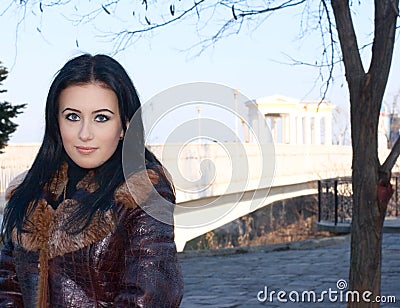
<point x="328" y="129"/>
<point x="307" y="129"/>
<point x="317" y="130"/>
<point x="299" y="130"/>
<point x="292" y="129"/>
<point x="274" y="129"/>
<point x="285" y="129"/>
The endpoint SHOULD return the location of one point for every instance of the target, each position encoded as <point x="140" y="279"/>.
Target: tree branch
<point x="390" y="161"/>
<point x="244" y="13"/>
<point x="383" y="45"/>
<point x="348" y="41"/>
<point x="125" y="37"/>
<point x="331" y="61"/>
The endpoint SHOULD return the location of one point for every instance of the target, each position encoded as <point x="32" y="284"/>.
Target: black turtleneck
<point x="74" y="174"/>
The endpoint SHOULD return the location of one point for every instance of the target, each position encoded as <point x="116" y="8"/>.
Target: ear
<point x="121" y="136"/>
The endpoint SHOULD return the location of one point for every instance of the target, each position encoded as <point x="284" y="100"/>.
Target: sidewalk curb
<point x="299" y="245"/>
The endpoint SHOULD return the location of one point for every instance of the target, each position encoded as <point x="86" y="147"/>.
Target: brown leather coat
<point x="128" y="259"/>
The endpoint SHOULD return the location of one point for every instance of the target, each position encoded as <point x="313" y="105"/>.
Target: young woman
<point x="75" y="231"/>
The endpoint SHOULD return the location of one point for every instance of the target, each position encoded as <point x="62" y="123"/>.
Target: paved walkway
<point x="234" y="279"/>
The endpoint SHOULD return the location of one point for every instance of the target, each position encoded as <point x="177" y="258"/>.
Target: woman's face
<point x="90" y="123"/>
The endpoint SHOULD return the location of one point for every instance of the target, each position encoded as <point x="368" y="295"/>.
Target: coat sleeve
<point x="152" y="275"/>
<point x="10" y="293"/>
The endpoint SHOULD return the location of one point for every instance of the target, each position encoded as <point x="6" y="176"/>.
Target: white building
<point x="293" y="121"/>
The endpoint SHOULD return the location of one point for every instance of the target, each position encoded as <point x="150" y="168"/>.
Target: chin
<point x="89" y="165"/>
<point x="86" y="164"/>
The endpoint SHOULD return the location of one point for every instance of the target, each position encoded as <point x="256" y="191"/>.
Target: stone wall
<point x="283" y="221"/>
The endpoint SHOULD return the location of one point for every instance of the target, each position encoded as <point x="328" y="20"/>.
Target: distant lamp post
<point x="199" y="122"/>
<point x="235" y="94"/>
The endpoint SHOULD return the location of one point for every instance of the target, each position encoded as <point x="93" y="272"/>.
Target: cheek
<point x="114" y="140"/>
<point x="66" y="134"/>
<point x="109" y="137"/>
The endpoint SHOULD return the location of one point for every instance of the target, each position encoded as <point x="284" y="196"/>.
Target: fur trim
<point x="152" y="191"/>
<point x="136" y="189"/>
<point x="12" y="186"/>
<point x="61" y="242"/>
<point x="46" y="226"/>
<point x="46" y="232"/>
<point x="40" y="222"/>
<point x="58" y="182"/>
<point x="88" y="183"/>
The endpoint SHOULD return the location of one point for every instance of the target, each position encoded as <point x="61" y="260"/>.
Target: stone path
<point x="235" y="279"/>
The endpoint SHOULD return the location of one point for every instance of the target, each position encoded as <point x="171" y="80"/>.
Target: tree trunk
<point x="368" y="214"/>
<point x="366" y="91"/>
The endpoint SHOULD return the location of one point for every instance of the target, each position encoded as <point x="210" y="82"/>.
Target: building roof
<point x="284" y="104"/>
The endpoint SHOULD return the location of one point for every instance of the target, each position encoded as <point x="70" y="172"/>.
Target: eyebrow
<point x="96" y="111"/>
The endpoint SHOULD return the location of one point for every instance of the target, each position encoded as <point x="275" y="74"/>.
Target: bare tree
<point x="371" y="187"/>
<point x="334" y="19"/>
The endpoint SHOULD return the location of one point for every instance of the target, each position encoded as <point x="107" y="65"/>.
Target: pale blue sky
<point x="248" y="61"/>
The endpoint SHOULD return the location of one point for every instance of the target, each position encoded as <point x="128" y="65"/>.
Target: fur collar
<point x="46" y="233"/>
<point x="46" y="224"/>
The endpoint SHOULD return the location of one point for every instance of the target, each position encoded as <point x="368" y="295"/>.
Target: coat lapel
<point x="46" y="226"/>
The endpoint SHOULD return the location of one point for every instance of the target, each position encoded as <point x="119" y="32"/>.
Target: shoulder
<point x="143" y="185"/>
<point x="14" y="184"/>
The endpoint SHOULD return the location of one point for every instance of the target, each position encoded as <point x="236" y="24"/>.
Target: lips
<point x="85" y="150"/>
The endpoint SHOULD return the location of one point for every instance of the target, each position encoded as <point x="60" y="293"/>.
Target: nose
<point x="86" y="132"/>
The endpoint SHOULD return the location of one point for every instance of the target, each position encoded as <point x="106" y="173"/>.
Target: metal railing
<point x="335" y="200"/>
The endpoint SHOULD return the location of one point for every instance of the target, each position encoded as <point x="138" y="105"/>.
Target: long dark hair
<point x="83" y="69"/>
